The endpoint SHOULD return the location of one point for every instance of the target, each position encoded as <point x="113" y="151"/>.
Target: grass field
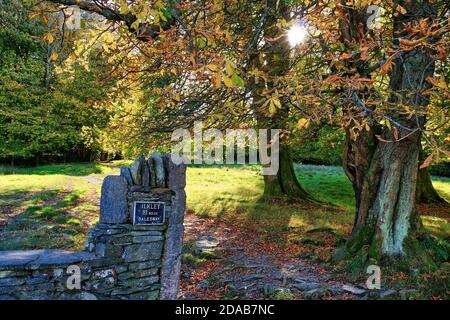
<point x="55" y="206"/>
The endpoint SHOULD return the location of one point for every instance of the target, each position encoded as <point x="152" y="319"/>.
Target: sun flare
<point x="297" y="34"/>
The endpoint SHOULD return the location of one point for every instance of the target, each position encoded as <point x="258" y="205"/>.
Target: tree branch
<point x="144" y="32"/>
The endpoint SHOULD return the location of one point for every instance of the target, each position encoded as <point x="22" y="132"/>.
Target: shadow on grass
<point x="75" y="169"/>
<point x="36" y="220"/>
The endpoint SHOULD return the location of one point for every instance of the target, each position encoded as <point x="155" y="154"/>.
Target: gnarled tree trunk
<point x="384" y="174"/>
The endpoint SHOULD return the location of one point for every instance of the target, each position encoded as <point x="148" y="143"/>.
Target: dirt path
<point x="223" y="261"/>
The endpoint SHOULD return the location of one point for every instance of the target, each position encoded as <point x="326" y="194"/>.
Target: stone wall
<point x="121" y="260"/>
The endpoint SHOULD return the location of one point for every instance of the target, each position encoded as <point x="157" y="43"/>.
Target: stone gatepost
<point x="141" y="228"/>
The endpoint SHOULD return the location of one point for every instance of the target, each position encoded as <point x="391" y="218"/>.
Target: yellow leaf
<point x="276" y="102"/>
<point x="388" y="124"/>
<point x="229" y="66"/>
<point x="303" y="123"/>
<point x="272" y="107"/>
<point x="54" y="56"/>
<point x="228" y="82"/>
<point x="49" y="38"/>
<point x="212" y="67"/>
<point x="34" y="15"/>
<point x="401" y="9"/>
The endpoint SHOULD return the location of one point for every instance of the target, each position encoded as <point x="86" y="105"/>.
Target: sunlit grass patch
<point x="58" y="204"/>
<point x="45" y="220"/>
<point x="217" y="191"/>
<point x="437" y="226"/>
<point x="48" y="210"/>
<point x="442" y="185"/>
<point x="71" y="169"/>
<point x="232" y="193"/>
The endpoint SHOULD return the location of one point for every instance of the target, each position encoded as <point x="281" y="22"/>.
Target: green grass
<point x="54" y="206"/>
<point x="442" y="185"/>
<point x="232" y="193"/>
<point x="51" y="206"/>
<point x="73" y="169"/>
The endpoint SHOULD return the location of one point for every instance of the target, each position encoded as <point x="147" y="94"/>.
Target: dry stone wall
<point x="134" y="251"/>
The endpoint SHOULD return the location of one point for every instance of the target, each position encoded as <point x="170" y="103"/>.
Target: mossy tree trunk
<point x="386" y="211"/>
<point x="285" y="182"/>
<point x="387" y="226"/>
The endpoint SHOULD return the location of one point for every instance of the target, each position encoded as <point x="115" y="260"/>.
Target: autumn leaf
<point x="54" y="56"/>
<point x="229" y="67"/>
<point x="303" y="123"/>
<point x="387" y="65"/>
<point x="395" y="133"/>
<point x="212" y="67"/>
<point x="276" y="102"/>
<point x="228" y="82"/>
<point x="272" y="107"/>
<point x="49" y="38"/>
<point x="427" y="162"/>
<point x="388" y="123"/>
<point x="346" y="56"/>
<point x="217" y="81"/>
<point x="401" y="9"/>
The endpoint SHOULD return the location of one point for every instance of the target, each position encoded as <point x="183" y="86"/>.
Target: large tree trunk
<point x="387" y="226"/>
<point x="285" y="183"/>
<point x="277" y="55"/>
<point x="425" y="192"/>
<point x="357" y="156"/>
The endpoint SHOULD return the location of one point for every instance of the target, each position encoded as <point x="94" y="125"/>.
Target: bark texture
<point x="285" y="183"/>
<point x="384" y="174"/>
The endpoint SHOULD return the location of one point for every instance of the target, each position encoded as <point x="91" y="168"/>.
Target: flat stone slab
<point x="352" y="289"/>
<point x="206" y="244"/>
<point x="27" y="258"/>
<point x="113" y="201"/>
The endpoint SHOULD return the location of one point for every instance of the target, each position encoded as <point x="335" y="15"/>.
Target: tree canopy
<point x="378" y="71"/>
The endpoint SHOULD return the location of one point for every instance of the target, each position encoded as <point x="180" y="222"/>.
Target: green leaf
<point x="237" y="81"/>
<point x="229" y="67"/>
